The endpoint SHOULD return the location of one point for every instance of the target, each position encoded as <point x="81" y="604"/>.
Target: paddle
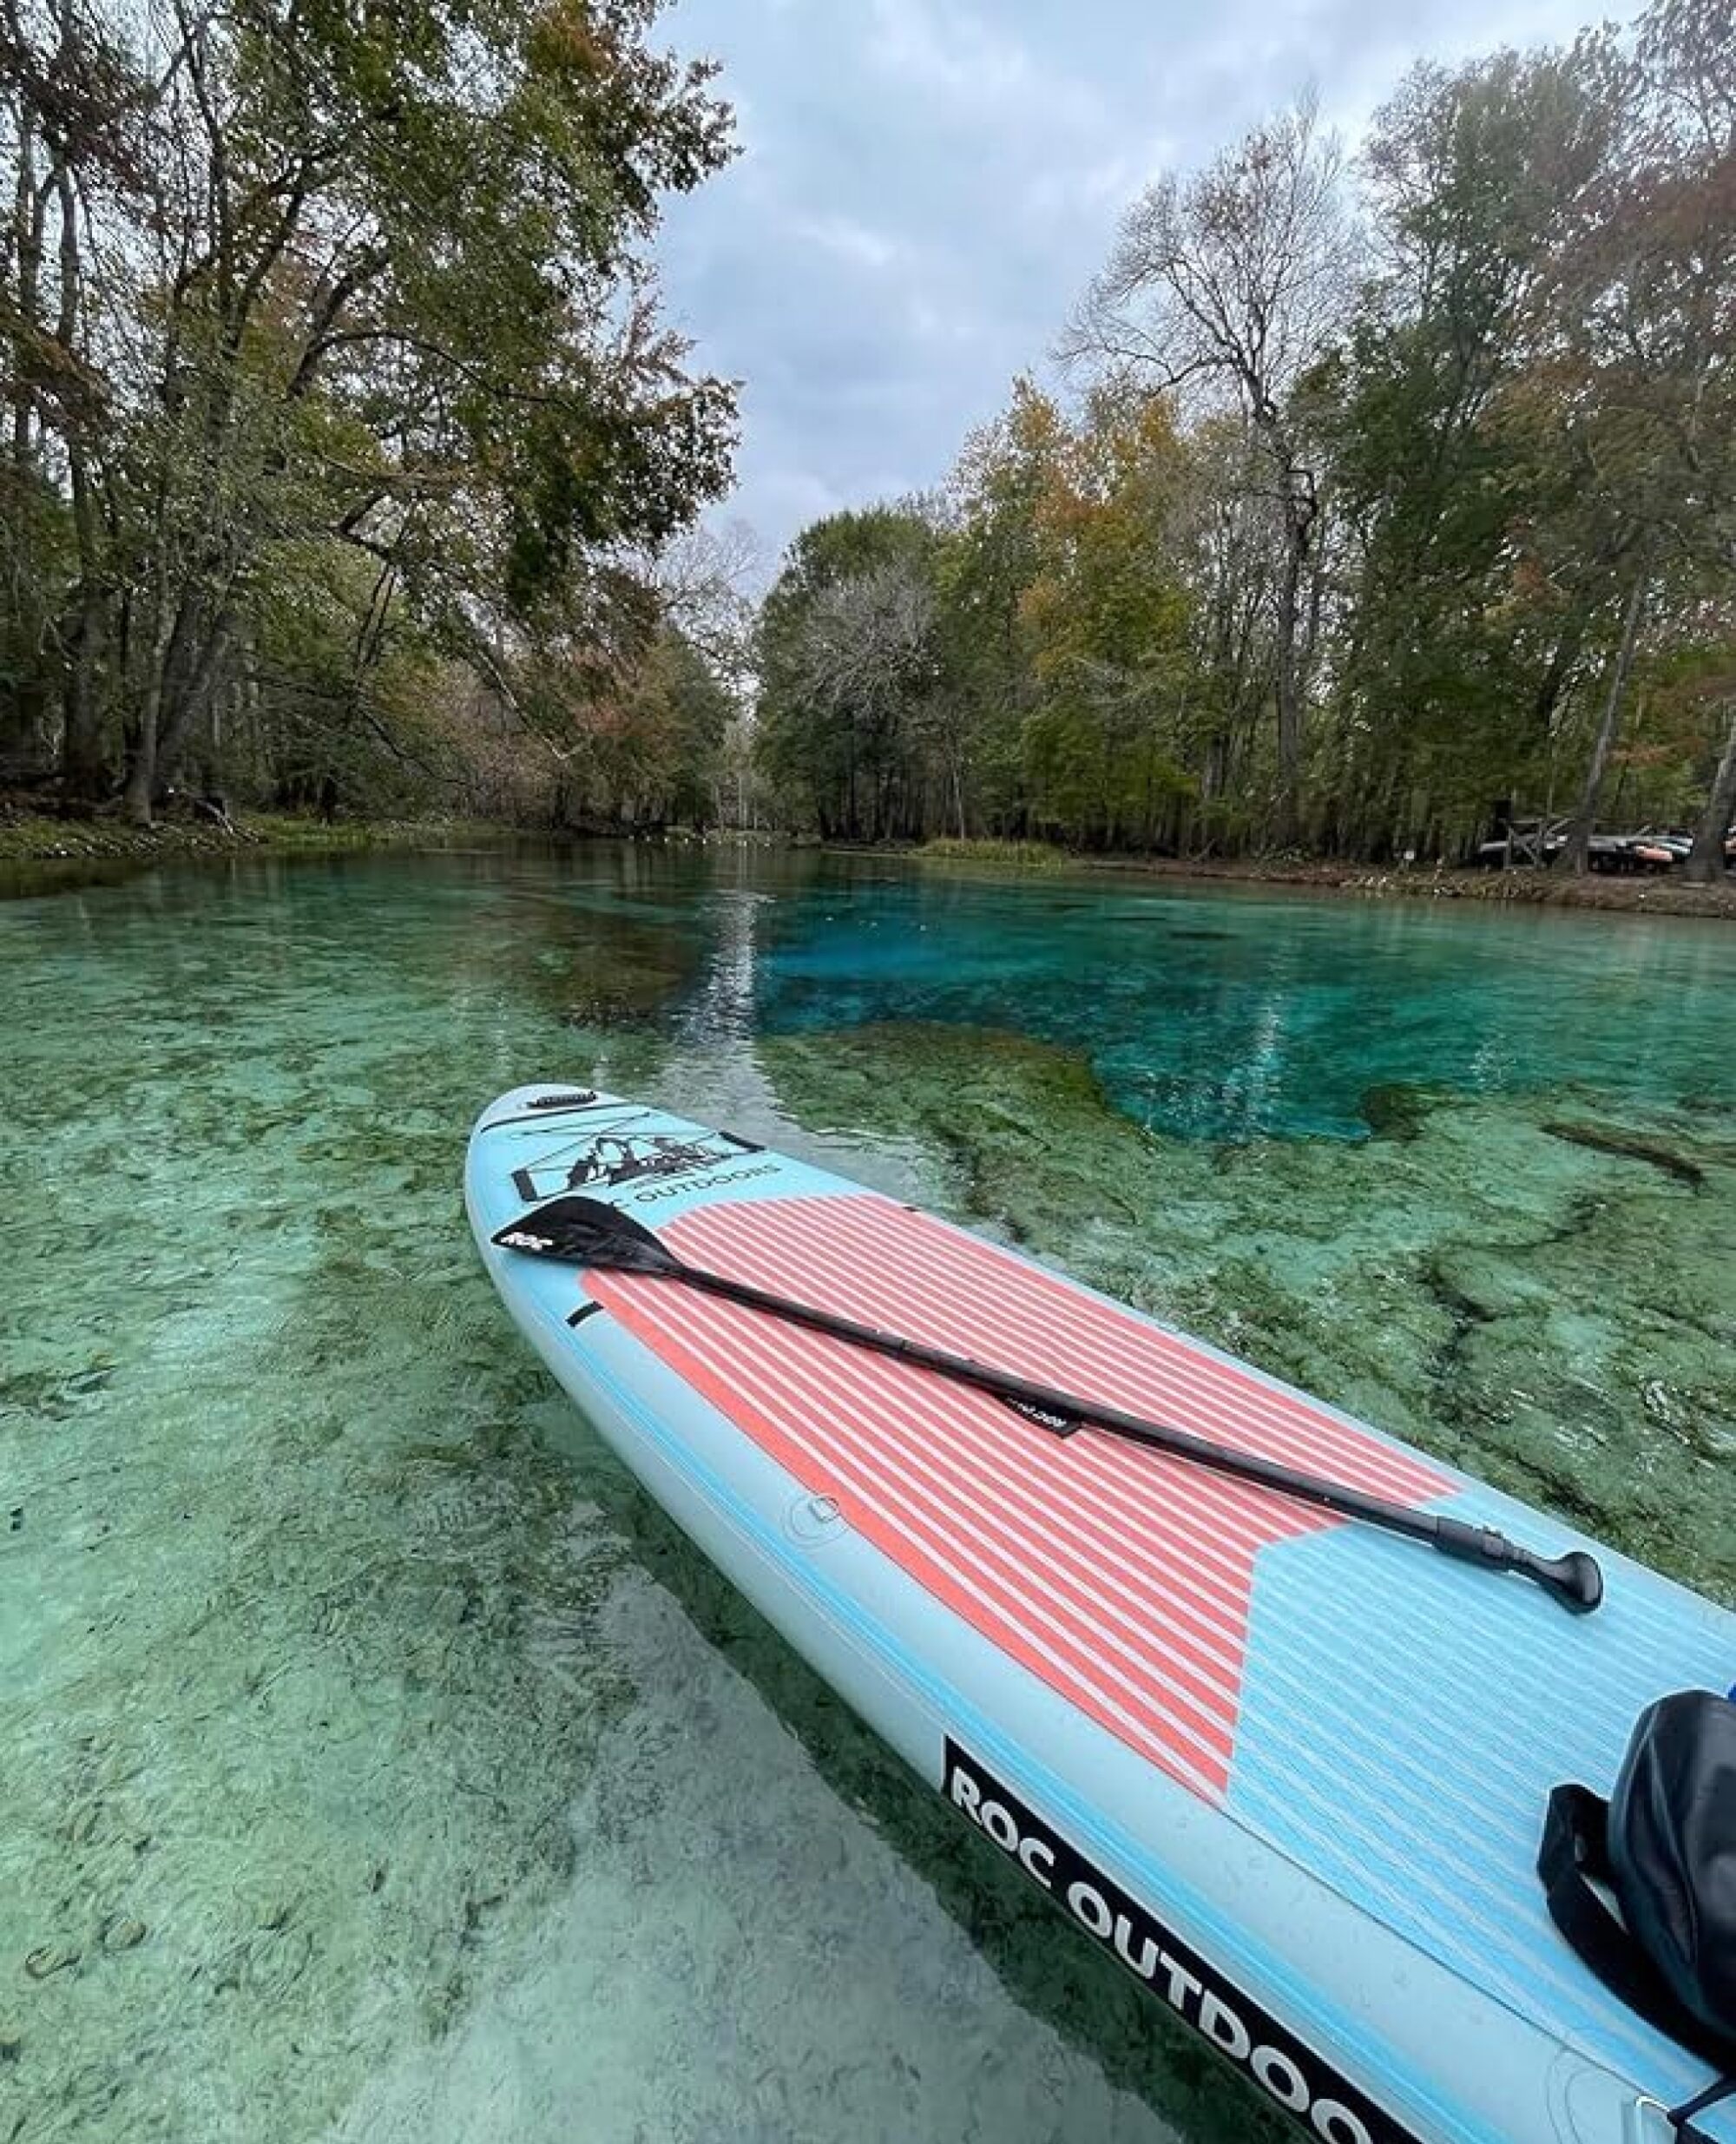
<point x="586" y="1233"/>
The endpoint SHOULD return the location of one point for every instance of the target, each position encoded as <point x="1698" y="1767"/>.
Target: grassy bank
<point x="1547" y="889"/>
<point x="1667" y="896"/>
<point x="27" y="838"/>
<point x="1002" y="855"/>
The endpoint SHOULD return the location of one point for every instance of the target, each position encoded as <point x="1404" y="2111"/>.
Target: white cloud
<point x="926" y="186"/>
<point x="849" y="240"/>
<point x="948" y="50"/>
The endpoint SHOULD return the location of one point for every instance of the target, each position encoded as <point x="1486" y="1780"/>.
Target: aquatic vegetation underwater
<point x="380" y="1763"/>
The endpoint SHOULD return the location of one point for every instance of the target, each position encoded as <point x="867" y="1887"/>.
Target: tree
<point x="703" y="578"/>
<point x="1688" y="49"/>
<point x="378" y="289"/>
<point x="988" y="559"/>
<point x="1640" y="330"/>
<point x="1461" y="646"/>
<point x="845" y="660"/>
<point x="1226" y="563"/>
<point x="1233" y="283"/>
<point x="1707" y="859"/>
<point x="658" y="757"/>
<point x="1108" y="623"/>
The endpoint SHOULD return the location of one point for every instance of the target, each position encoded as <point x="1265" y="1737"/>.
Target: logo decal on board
<point x="1303" y="2083"/>
<point x="613" y="1156"/>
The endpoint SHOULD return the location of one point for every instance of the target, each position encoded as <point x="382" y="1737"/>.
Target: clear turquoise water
<point x="1246" y="1014"/>
<point x="379" y="1764"/>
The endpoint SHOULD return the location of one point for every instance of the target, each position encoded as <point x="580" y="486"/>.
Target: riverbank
<point x="1538" y="888"/>
<point x="30" y="837"/>
<point x="1664" y="896"/>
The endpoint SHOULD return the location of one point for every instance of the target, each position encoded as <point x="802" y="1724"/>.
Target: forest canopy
<point x="1382" y="497"/>
<point x="1394" y="498"/>
<point x="343" y="434"/>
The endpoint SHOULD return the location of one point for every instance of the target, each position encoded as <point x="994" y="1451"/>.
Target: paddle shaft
<point x="591" y="1233"/>
<point x="1573" y="1579"/>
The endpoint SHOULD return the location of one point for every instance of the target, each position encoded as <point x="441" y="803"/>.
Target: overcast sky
<point x="925" y="185"/>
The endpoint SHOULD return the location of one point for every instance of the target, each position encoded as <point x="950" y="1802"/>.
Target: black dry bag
<point x="1665" y="1843"/>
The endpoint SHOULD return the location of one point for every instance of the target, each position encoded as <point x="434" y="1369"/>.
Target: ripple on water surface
<point x="380" y="1763"/>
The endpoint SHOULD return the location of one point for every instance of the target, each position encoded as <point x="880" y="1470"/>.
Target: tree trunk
<point x="1289" y="694"/>
<point x="1578" y="856"/>
<point x="192" y="699"/>
<point x="143" y="633"/>
<point x="1301" y="509"/>
<point x="28" y="206"/>
<point x="141" y="767"/>
<point x="83" y="771"/>
<point x="164" y="659"/>
<point x="1555" y="678"/>
<point x="180" y="692"/>
<point x="1705" y="859"/>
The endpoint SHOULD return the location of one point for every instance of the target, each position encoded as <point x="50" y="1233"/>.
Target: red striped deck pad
<point x="1121" y="1577"/>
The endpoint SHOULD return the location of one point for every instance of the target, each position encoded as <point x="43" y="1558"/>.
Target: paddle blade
<point x="585" y="1232"/>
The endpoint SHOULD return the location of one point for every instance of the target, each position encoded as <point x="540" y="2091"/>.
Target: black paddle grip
<point x="1574" y="1579"/>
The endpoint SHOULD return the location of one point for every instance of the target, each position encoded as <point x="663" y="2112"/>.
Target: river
<point x="379" y="1764"/>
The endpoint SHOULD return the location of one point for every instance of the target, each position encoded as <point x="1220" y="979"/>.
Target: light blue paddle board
<point x="1289" y="1769"/>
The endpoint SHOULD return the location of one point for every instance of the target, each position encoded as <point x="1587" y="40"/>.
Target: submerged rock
<point x="1398" y="1110"/>
<point x="610" y="1008"/>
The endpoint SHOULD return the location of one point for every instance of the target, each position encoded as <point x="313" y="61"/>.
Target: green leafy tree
<point x="1110" y="624"/>
<point x="846" y="659"/>
<point x="990" y="555"/>
<point x="1230" y="286"/>
<point x="1462" y="645"/>
<point x="387" y="291"/>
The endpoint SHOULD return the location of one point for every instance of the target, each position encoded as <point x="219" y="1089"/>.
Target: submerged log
<point x="1631" y="1146"/>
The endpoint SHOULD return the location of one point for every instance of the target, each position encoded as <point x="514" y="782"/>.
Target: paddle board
<point x="1289" y="1770"/>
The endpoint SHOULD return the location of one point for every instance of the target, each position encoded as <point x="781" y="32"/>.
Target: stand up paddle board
<point x="1289" y="1767"/>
